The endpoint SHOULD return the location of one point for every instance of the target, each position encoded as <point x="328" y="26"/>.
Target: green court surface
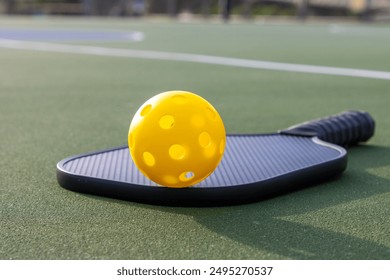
<point x="54" y="105"/>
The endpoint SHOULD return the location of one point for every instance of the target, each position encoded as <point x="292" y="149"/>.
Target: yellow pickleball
<point x="177" y="139"/>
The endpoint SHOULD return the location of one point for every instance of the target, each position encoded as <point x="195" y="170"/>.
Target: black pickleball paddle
<point x="254" y="166"/>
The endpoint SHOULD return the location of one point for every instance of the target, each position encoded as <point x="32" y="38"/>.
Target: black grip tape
<point x="345" y="129"/>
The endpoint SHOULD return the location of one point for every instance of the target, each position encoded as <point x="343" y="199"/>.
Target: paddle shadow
<point x="266" y="225"/>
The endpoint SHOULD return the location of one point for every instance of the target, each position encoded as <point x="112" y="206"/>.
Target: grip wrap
<point x="345" y="129"/>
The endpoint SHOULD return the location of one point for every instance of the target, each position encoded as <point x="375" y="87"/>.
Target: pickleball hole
<point x="177" y="152"/>
<point x="148" y="159"/>
<point x="170" y="180"/>
<point x="131" y="141"/>
<point x="186" y="176"/>
<point x="146" y="110"/>
<point x="167" y="122"/>
<point x="204" y="140"/>
<point x="210" y="151"/>
<point x="222" y="146"/>
<point x="210" y="114"/>
<point x="179" y="99"/>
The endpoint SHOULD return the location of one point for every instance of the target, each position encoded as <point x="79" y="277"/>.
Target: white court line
<point x="185" y="57"/>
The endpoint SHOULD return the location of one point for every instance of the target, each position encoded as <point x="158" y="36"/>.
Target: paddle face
<point x="254" y="167"/>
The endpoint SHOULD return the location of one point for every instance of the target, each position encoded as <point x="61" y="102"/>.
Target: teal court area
<point x="70" y="86"/>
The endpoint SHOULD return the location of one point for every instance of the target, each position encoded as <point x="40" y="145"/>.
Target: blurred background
<point x="361" y="10"/>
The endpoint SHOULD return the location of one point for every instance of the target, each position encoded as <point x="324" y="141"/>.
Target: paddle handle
<point x="345" y="129"/>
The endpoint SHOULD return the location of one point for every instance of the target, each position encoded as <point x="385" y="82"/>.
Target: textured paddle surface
<point x="247" y="159"/>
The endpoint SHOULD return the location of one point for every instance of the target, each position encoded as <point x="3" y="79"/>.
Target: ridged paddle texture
<point x="247" y="159"/>
<point x="345" y="129"/>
